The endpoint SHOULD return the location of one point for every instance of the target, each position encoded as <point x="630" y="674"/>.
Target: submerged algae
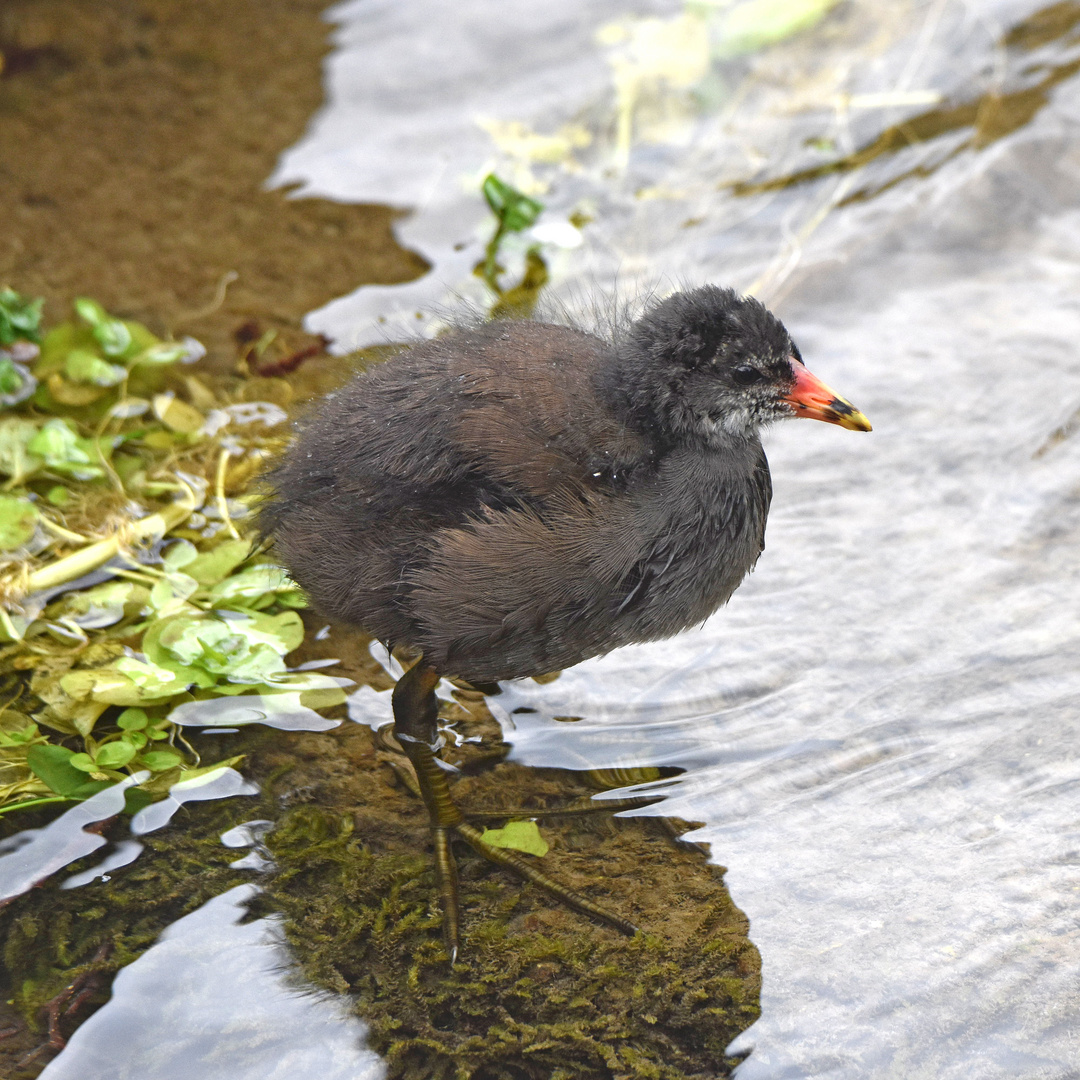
<point x="539" y="990"/>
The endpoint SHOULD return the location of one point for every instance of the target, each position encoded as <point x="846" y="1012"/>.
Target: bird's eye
<point x="745" y="375"/>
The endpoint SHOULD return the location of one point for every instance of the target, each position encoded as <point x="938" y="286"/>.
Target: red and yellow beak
<point x="811" y="398"/>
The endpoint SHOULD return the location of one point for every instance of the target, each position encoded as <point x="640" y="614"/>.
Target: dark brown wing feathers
<point x="501" y="517"/>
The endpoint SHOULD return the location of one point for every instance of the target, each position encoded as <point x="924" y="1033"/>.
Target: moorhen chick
<point x="512" y="499"/>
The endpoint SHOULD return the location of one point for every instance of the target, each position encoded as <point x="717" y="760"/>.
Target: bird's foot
<point x="446" y="818"/>
<point x="474" y="838"/>
<point x="416" y="731"/>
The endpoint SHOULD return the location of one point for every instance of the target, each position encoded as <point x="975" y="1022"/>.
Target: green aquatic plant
<point x="197" y="639"/>
<point x="191" y="626"/>
<point x="20" y="319"/>
<point x="18" y="521"/>
<point x="98" y="359"/>
<point x="514" y="213"/>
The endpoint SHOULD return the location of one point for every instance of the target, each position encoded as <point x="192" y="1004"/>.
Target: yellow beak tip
<point x="856" y="421"/>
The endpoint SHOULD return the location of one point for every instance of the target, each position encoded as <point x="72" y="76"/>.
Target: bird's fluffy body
<point x="515" y="498"/>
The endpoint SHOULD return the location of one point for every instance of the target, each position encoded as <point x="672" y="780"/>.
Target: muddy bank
<point x="138" y="138"/>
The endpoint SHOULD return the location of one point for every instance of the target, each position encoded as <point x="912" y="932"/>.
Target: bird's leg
<point x="476" y="841"/>
<point x="416" y="711"/>
<point x="416" y="728"/>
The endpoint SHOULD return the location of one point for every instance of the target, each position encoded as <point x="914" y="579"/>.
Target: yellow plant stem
<point x="222" y="502"/>
<point x="97" y="554"/>
<point x="59" y="530"/>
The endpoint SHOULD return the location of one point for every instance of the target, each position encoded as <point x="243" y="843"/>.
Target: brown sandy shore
<point x="138" y="135"/>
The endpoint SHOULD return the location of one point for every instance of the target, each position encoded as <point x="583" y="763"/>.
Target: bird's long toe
<point x="474" y="838"/>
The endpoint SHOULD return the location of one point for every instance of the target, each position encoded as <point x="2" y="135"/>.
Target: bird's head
<point x="711" y="365"/>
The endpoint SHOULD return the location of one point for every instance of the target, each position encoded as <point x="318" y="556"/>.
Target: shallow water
<point x="221" y="1008"/>
<point x="879" y="732"/>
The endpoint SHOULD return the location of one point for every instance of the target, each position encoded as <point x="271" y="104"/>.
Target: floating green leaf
<point x="136" y="799"/>
<point x="10" y="379"/>
<point x="20" y="319"/>
<point x="52" y="765"/>
<point x="245" y="649"/>
<point x="165" y="352"/>
<point x="100" y="606"/>
<point x="519" y="836"/>
<point x="17" y="730"/>
<point x="112" y="335"/>
<point x="127" y="682"/>
<point x="90" y="311"/>
<point x="515" y="210"/>
<point x="160" y="760"/>
<point x="169" y="593"/>
<point x="132" y="720"/>
<point x="256" y="586"/>
<point x="180" y="554"/>
<point x="84" y="366"/>
<point x="114" y="755"/>
<point x="18" y="520"/>
<point x="63" y="450"/>
<point x="215" y="565"/>
<point x="16" y="460"/>
<point x="177" y="415"/>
